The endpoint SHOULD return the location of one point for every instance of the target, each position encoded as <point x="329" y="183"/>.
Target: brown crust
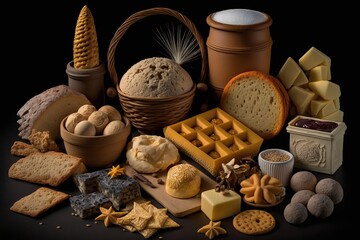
<point x="280" y="91"/>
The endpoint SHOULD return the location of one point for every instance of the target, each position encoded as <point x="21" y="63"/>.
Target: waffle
<point x="212" y="138"/>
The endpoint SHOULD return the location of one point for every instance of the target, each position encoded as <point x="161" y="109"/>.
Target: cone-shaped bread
<point x="86" y="49"/>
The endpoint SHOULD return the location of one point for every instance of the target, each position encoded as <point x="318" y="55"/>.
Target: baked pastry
<point x="151" y="153"/>
<point x="258" y="100"/>
<point x="183" y="181"/>
<point x="262" y="189"/>
<point x="156" y="77"/>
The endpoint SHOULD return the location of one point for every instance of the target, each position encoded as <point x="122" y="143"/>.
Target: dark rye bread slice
<point x="257" y="100"/>
<point x="39" y="201"/>
<point x="51" y="168"/>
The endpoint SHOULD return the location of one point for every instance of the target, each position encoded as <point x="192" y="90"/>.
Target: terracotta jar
<point x="239" y="40"/>
<point x="89" y="81"/>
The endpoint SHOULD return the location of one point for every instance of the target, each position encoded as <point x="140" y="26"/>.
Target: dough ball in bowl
<point x="295" y="213"/>
<point x="320" y="205"/>
<point x="331" y="188"/>
<point x="303" y="180"/>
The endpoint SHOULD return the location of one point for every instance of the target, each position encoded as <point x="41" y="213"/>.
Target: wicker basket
<point x="151" y="115"/>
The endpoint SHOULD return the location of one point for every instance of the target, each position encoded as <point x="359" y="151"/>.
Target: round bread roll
<point x="151" y="153"/>
<point x="156" y="77"/>
<point x="183" y="181"/>
<point x="258" y="100"/>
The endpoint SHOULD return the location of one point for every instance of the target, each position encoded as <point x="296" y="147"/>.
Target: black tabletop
<point x="38" y="49"/>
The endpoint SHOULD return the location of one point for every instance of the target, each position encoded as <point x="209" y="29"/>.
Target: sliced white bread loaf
<point x="45" y="111"/>
<point x="258" y="100"/>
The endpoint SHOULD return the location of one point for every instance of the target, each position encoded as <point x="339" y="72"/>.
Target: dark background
<point x="37" y="41"/>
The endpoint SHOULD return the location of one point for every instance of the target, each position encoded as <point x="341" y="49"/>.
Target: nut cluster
<point x="89" y="121"/>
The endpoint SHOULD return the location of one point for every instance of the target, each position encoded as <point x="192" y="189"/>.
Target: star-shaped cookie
<point x="109" y="216"/>
<point x="116" y="171"/>
<point x="212" y="229"/>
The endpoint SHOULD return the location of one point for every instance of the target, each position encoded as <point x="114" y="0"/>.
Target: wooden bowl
<point x="96" y="151"/>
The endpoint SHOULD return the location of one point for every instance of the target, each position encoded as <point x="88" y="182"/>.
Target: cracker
<point x="39" y="201"/>
<point x="254" y="222"/>
<point x="138" y="218"/>
<point x="51" y="168"/>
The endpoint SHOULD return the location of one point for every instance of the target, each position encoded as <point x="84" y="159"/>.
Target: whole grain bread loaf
<point x="45" y="111"/>
<point x="258" y="100"/>
<point x="51" y="168"/>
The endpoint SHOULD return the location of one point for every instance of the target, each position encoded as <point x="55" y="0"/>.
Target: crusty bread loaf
<point x="183" y="181"/>
<point x="51" y="168"/>
<point x="258" y="100"/>
<point x="156" y="77"/>
<point x="39" y="201"/>
<point x="45" y="111"/>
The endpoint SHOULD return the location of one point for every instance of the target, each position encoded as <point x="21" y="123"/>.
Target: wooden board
<point x="176" y="206"/>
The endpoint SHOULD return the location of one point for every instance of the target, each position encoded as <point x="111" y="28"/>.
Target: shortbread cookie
<point x="254" y="222"/>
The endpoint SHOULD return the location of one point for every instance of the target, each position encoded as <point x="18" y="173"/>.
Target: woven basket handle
<point x="150" y="12"/>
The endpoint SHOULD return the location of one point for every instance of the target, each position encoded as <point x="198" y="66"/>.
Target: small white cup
<point x="277" y="163"/>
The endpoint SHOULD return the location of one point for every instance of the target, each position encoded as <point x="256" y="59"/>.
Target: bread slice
<point x="39" y="201"/>
<point x="51" y="168"/>
<point x="257" y="100"/>
<point x="45" y="111"/>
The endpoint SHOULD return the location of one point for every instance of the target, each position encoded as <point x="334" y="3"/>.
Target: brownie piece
<point x="88" y="182"/>
<point x="88" y="205"/>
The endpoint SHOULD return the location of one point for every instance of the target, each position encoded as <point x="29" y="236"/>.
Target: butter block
<point x="312" y="58"/>
<point x="318" y="73"/>
<point x="217" y="205"/>
<point x="289" y="72"/>
<point x="301" y="98"/>
<point x="325" y="89"/>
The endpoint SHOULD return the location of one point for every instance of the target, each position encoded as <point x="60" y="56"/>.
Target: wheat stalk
<point x="179" y="44"/>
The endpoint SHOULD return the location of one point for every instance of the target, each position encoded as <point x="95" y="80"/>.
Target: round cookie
<point x="254" y="222"/>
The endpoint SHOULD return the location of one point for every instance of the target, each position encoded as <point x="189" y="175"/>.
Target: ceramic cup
<point x="277" y="163"/>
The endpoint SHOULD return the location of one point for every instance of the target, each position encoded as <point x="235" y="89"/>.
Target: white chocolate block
<point x="316" y="106"/>
<point x="337" y="116"/>
<point x="217" y="205"/>
<point x="312" y="58"/>
<point x="301" y="98"/>
<point x="337" y="103"/>
<point x="328" y="109"/>
<point x="318" y="73"/>
<point x="289" y="72"/>
<point x="325" y="89"/>
<point x="301" y="79"/>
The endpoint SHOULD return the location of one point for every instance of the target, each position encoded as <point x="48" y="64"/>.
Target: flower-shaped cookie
<point x="262" y="189"/>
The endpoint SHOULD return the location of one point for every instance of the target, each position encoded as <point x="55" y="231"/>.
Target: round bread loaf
<point x="156" y="77"/>
<point x="258" y="100"/>
<point x="183" y="181"/>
